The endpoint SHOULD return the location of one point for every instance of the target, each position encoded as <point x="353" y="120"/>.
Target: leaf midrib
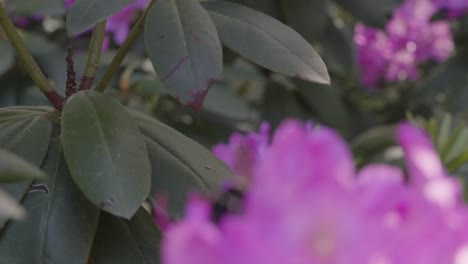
<point x="102" y="136"/>
<point x="184" y="36"/>
<point x="280" y="43"/>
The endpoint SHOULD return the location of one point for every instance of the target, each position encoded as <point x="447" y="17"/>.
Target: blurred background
<point x="247" y="95"/>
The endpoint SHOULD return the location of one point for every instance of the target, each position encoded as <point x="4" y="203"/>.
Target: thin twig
<point x="71" y="76"/>
<point x="30" y="64"/>
<point x="94" y="55"/>
<point x="123" y="50"/>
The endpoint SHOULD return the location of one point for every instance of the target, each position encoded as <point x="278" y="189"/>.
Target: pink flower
<point x="410" y="39"/>
<point x="119" y="24"/>
<point x="193" y="240"/>
<point x="305" y="204"/>
<point x="456" y="8"/>
<point x="374" y="51"/>
<point x="425" y="168"/>
<point x="242" y="152"/>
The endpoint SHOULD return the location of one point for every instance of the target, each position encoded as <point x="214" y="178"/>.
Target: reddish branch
<point x="55" y="99"/>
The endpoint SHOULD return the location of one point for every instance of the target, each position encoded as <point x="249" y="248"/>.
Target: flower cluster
<point x="455" y="8"/>
<point x="410" y="39"/>
<point x="306" y="204"/>
<point x="119" y="24"/>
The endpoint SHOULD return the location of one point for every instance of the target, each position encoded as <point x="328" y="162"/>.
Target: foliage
<point x="187" y="75"/>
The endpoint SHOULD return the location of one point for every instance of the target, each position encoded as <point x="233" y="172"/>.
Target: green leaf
<point x="339" y="51"/>
<point x="27" y="8"/>
<point x="307" y="17"/>
<point x="38" y="44"/>
<point x="7" y="54"/>
<point x="61" y="222"/>
<point x="85" y="13"/>
<point x="9" y="208"/>
<point x="14" y="168"/>
<point x="266" y="41"/>
<point x="373" y="141"/>
<point x="277" y="95"/>
<point x="182" y="43"/>
<point x="126" y="241"/>
<point x="26" y="132"/>
<point x="179" y="164"/>
<point x="106" y="153"/>
<point x="326" y="103"/>
<point x="269" y="7"/>
<point x="372" y="13"/>
<point x="221" y="101"/>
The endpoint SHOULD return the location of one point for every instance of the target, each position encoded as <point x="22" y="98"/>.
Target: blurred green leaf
<point x="9" y="208"/>
<point x="307" y="17"/>
<point x="61" y="222"/>
<point x="183" y="45"/>
<point x="37" y="7"/>
<point x="266" y="41"/>
<point x="371" y="12"/>
<point x="106" y="153"/>
<point x="25" y="132"/>
<point x="450" y="78"/>
<point x="122" y="241"/>
<point x="85" y="13"/>
<point x="38" y="44"/>
<point x="269" y="7"/>
<point x="373" y="141"/>
<point x="338" y="48"/>
<point x="224" y="103"/>
<point x="7" y="55"/>
<point x="14" y="168"/>
<point x="325" y="101"/>
<point x="179" y="163"/>
<point x="280" y="103"/>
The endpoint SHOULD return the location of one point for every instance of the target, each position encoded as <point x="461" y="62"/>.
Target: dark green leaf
<point x="223" y="102"/>
<point x="85" y="13"/>
<point x="266" y="41"/>
<point x="269" y="7"/>
<point x="38" y="44"/>
<point x="61" y="222"/>
<point x="37" y="7"/>
<point x="14" y="168"/>
<point x="280" y="104"/>
<point x="307" y="17"/>
<point x="325" y="101"/>
<point x="26" y="132"/>
<point x="106" y="153"/>
<point x="9" y="208"/>
<point x="126" y="241"/>
<point x="373" y="13"/>
<point x="7" y="54"/>
<point x="338" y="48"/>
<point x="373" y="141"/>
<point x="182" y="43"/>
<point x="179" y="163"/>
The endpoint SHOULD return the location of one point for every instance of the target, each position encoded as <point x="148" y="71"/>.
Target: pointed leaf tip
<point x="271" y="44"/>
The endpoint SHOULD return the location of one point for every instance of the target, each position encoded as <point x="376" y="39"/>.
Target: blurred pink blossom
<point x="410" y="39"/>
<point x="306" y="204"/>
<point x="241" y="153"/>
<point x="120" y="23"/>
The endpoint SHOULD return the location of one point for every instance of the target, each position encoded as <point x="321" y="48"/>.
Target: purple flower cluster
<point x="455" y="8"/>
<point x="119" y="24"/>
<point x="306" y="204"/>
<point x="410" y="39"/>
